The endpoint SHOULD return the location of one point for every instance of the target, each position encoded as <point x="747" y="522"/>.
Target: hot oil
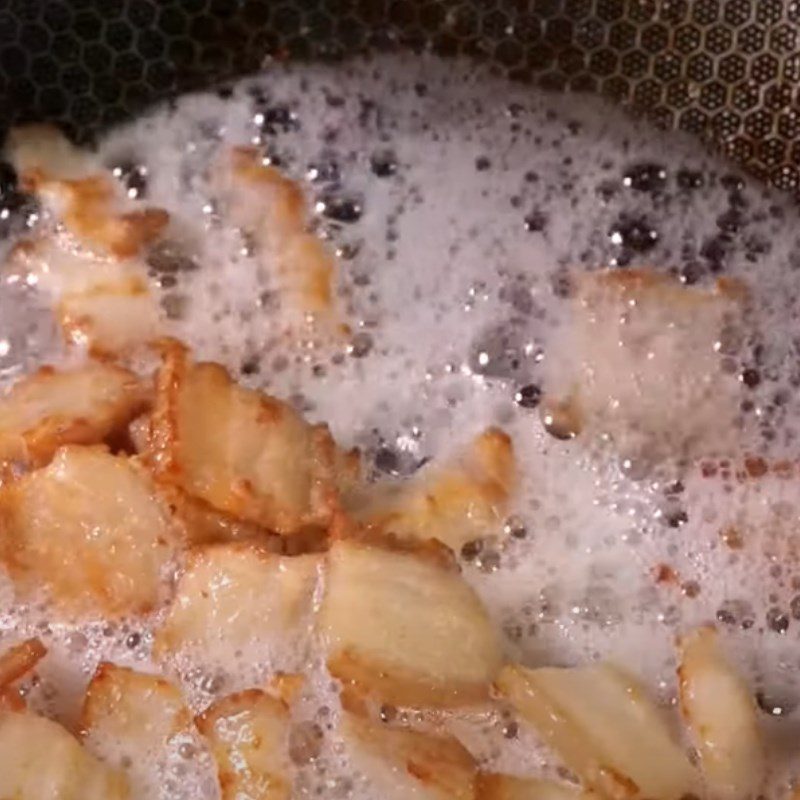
<point x="461" y="209"/>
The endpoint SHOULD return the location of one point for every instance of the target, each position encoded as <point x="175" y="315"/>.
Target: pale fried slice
<point x="41" y="760"/>
<point x="43" y="147"/>
<point x="91" y="529"/>
<point x="244" y="453"/>
<point x="247" y="734"/>
<point x="51" y="408"/>
<point x="137" y="722"/>
<point x="14" y="664"/>
<point x="405" y="627"/>
<point x="639" y="362"/>
<point x="56" y="264"/>
<point x="262" y="199"/>
<point x="455" y="503"/>
<point x="272" y="208"/>
<point x="404" y="763"/>
<point x="235" y="602"/>
<point x="506" y="787"/>
<point x="101" y="301"/>
<point x="721" y="716"/>
<point x="307" y="271"/>
<point x="602" y="724"/>
<point x="110" y="319"/>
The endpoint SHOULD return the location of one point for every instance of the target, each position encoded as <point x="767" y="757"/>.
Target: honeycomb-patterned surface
<point x="725" y="70"/>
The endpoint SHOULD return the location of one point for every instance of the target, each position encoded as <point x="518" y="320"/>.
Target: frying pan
<point x="727" y="71"/>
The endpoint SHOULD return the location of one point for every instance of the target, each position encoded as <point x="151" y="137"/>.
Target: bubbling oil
<point x="461" y="208"/>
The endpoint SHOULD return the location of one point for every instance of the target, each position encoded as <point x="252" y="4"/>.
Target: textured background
<point x="725" y="70"/>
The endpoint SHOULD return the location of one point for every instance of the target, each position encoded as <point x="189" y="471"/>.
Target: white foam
<point x="458" y="300"/>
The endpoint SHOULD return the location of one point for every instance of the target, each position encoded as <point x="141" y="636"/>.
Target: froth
<point x="461" y="209"/>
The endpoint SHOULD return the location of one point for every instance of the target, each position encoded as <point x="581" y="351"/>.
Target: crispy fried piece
<point x="91" y="529"/>
<point x="41" y="760"/>
<point x="91" y="209"/>
<point x="272" y="207"/>
<point x="134" y="721"/>
<point x="19" y="659"/>
<point x="403" y="626"/>
<point x="247" y="734"/>
<point x="59" y="266"/>
<point x="639" y="362"/>
<point x="721" y="716"/>
<point x="506" y="787"/>
<point x="81" y="193"/>
<point x="51" y="408"/>
<point x="455" y="503"/>
<point x="243" y="453"/>
<point x="237" y="598"/>
<point x="14" y="664"/>
<point x="607" y="731"/>
<point x="404" y="763"/>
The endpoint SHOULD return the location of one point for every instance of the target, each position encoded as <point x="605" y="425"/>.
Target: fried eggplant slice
<point x="640" y="363"/>
<point x="90" y="528"/>
<point x="273" y="209"/>
<point x="41" y="760"/>
<point x="243" y="453"/>
<point x="237" y="603"/>
<point x="506" y="787"/>
<point x="455" y="503"/>
<point x="51" y="408"/>
<point x="721" y="716"/>
<point x="138" y="723"/>
<point x="605" y="728"/>
<point x="404" y="763"/>
<point x="399" y="623"/>
<point x="248" y="737"/>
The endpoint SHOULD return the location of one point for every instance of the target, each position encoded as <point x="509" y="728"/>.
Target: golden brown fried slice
<point x="455" y="503"/>
<point x="14" y="664"/>
<point x="604" y="727"/>
<point x="237" y="602"/>
<point x="51" y="408"/>
<point x="92" y="210"/>
<point x="41" y="760"/>
<point x="402" y="625"/>
<point x="90" y="528"/>
<point x="243" y="453"/>
<point x="640" y="363"/>
<point x="506" y="787"/>
<point x="247" y="734"/>
<point x="137" y="723"/>
<point x="404" y="763"/>
<point x="721" y="716"/>
<point x="273" y="209"/>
